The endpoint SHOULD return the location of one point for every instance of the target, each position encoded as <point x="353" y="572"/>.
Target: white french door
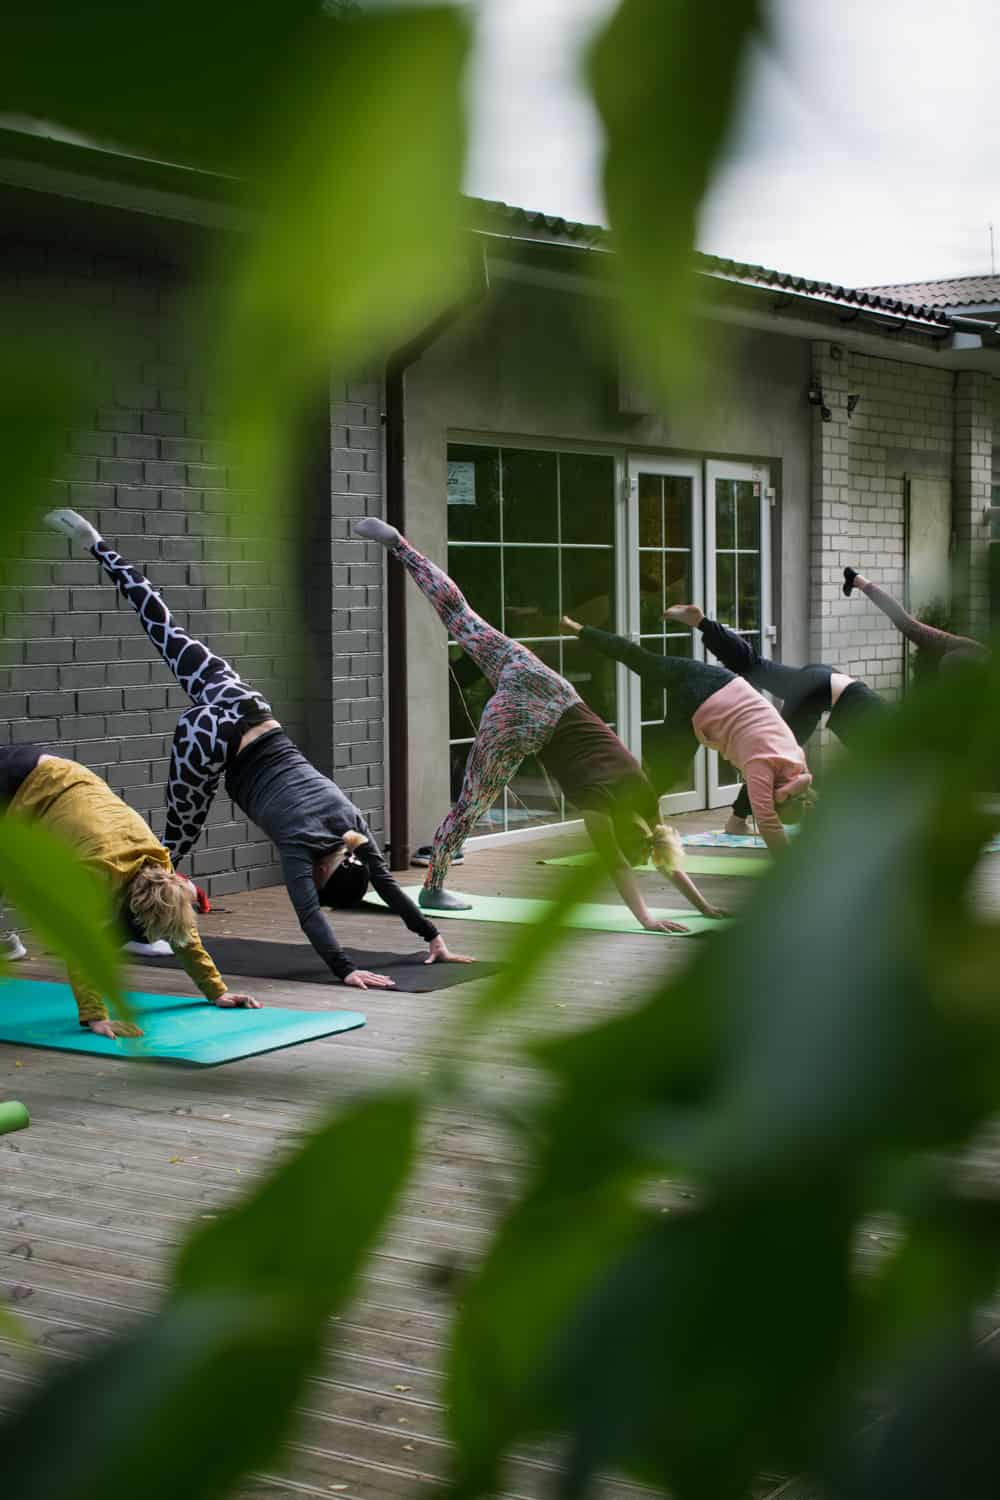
<point x="664" y="524"/>
<point x="737" y="574"/>
<point x="695" y="533"/>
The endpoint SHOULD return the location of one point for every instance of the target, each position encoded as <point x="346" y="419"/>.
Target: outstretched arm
<point x="387" y="886"/>
<point x="301" y="887"/>
<point x="687" y="888"/>
<point x="602" y="836"/>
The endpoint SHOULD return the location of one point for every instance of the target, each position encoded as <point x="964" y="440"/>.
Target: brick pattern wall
<point x="972" y="488"/>
<point x="357" y="594"/>
<point x="146" y="465"/>
<point x="859" y="502"/>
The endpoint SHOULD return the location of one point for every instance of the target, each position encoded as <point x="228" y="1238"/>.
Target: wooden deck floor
<point x="122" y="1157"/>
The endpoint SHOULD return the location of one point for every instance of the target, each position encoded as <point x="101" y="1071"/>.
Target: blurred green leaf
<point x="358" y="239"/>
<point x="713" y="1348"/>
<point x="664" y="75"/>
<point x="817" y="1030"/>
<point x="546" y="1259"/>
<point x="40" y="394"/>
<point x="187" y="83"/>
<point x="944" y="1271"/>
<point x="204" y="1391"/>
<point x="940" y="1439"/>
<point x="12" y="1328"/>
<point x="323" y="1190"/>
<point x="532" y="947"/>
<point x="65" y="903"/>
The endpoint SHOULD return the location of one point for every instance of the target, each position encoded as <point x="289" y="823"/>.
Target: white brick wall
<point x="858" y="498"/>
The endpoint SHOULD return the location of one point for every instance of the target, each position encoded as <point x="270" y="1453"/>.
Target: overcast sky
<point x="867" y="148"/>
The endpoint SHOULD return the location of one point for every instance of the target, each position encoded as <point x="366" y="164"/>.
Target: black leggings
<point x="223" y="705"/>
<point x="688" y="684"/>
<point x="805" y="692"/>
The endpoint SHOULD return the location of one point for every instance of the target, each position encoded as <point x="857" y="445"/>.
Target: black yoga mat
<point x="257" y="958"/>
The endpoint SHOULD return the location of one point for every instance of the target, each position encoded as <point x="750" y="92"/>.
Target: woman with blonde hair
<point x="114" y="841"/>
<point x="535" y="711"/>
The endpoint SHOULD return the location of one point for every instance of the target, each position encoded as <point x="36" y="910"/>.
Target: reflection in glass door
<point x="665" y="521"/>
<point x="737" y="582"/>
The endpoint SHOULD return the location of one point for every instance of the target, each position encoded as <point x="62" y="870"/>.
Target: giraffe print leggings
<point x="528" y="701"/>
<point x="221" y="703"/>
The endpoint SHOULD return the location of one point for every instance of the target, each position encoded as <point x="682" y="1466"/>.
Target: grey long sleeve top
<point x="306" y="814"/>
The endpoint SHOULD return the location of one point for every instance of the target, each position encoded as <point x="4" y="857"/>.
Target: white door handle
<point x="771" y="632"/>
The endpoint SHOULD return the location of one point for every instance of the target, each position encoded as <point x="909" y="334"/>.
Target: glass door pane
<point x="665" y="548"/>
<point x="737" y="544"/>
<point x="531" y="537"/>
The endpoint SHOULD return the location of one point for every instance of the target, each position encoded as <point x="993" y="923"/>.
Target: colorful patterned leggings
<point x="221" y="703"/>
<point x="528" y="701"/>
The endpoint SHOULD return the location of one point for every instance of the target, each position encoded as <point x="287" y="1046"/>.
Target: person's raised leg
<point x="493" y="760"/>
<point x="488" y="647"/>
<point x="929" y="638"/>
<point x="197" y="761"/>
<point x="206" y="678"/>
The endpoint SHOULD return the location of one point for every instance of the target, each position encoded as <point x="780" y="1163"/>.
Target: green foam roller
<point x="13" y="1116"/>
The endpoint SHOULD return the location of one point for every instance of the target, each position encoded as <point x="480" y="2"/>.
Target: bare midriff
<point x="838" y="682"/>
<point x="255" y="734"/>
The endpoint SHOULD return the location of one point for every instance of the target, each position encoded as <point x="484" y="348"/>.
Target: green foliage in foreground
<point x="203" y="1391"/>
<point x="813" y="1065"/>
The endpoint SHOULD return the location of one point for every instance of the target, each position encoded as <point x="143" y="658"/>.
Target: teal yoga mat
<point x="694" y="864"/>
<point x="591" y="917"/>
<point x="34" y="1013"/>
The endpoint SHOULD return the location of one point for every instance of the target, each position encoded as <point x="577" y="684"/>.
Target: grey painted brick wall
<point x="357" y="597"/>
<point x="145" y="464"/>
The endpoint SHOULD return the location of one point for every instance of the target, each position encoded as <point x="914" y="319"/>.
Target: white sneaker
<point x="12" y="949"/>
<point x="73" y="525"/>
<point x="160" y="949"/>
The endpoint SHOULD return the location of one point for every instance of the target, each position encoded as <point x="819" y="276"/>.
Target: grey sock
<point x="374" y="530"/>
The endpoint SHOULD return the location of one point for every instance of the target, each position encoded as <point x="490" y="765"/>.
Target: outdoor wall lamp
<point x="853" y="400"/>
<point x="814" y="396"/>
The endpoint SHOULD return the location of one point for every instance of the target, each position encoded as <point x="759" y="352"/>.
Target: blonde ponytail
<point x="663" y="845"/>
<point x="667" y="852"/>
<point x="162" y="906"/>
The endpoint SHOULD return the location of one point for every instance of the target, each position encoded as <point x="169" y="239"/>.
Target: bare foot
<point x="738" y="826"/>
<point x="688" y="614"/>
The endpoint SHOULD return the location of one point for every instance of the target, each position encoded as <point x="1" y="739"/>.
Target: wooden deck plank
<point x="92" y="1208"/>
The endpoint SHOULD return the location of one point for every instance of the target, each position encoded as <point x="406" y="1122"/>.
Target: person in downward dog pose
<point x="230" y="730"/>
<point x="934" y="646"/>
<point x="112" y="839"/>
<point x="534" y="711"/>
<point x="711" y="706"/>
<point x="806" y="693"/>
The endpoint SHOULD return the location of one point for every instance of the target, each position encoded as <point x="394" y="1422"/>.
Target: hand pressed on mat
<point x="230" y="1000"/>
<point x="114" y="1029"/>
<point x="361" y="979"/>
<point x="439" y="953"/>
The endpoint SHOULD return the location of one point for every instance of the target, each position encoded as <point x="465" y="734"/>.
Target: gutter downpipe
<point x="397" y="715"/>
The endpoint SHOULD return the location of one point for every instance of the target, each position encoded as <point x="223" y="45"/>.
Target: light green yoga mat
<point x="694" y="864"/>
<point x="589" y="915"/>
